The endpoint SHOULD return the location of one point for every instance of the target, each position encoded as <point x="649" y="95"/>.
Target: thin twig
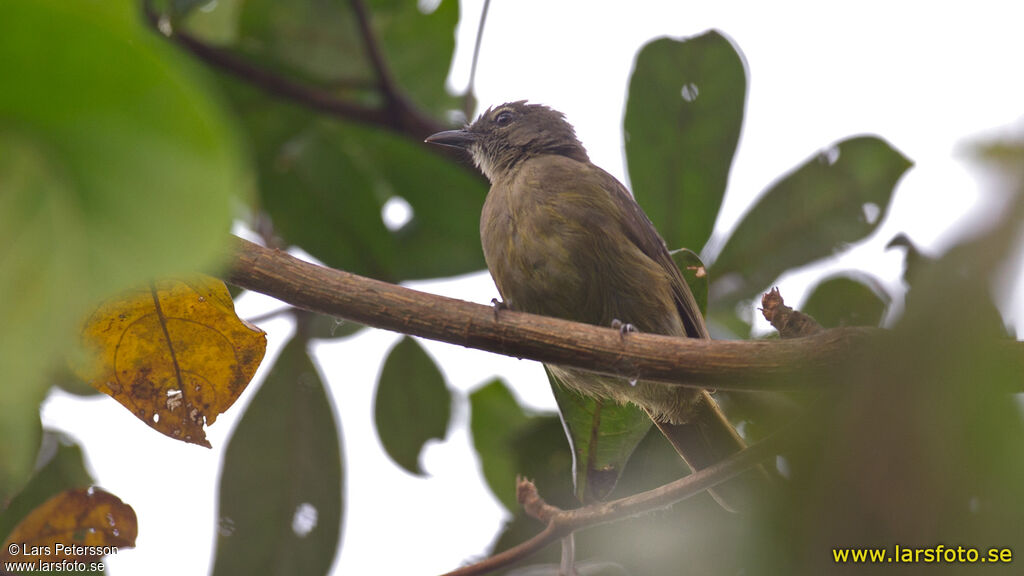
<point x="402" y="117"/>
<point x="476" y="45"/>
<point x="398" y="105"/>
<point x="560" y="523"/>
<point x="469" y="101"/>
<point x="385" y="81"/>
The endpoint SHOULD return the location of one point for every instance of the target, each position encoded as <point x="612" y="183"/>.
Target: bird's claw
<point x="499" y="305"/>
<point x="623" y="327"/>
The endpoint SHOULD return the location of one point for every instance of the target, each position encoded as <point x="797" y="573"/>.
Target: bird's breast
<point x="529" y="253"/>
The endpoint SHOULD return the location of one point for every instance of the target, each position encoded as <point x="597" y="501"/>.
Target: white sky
<point x="922" y="75"/>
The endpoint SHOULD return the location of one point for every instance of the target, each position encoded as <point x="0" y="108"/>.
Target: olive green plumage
<point x="564" y="238"/>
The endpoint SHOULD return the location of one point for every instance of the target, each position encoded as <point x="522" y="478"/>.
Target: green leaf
<point x="421" y="73"/>
<point x="315" y="38"/>
<point x="62" y="469"/>
<point x="654" y="462"/>
<point x="183" y="7"/>
<point x="65" y="378"/>
<point x="603" y="435"/>
<point x="281" y="486"/>
<point x="495" y="419"/>
<point x="148" y="165"/>
<point x="539" y="454"/>
<point x="37" y="258"/>
<point x="695" y="274"/>
<point x="847" y="300"/>
<point x="215" y="21"/>
<point x="511" y="442"/>
<point x="682" y="122"/>
<point x="115" y="166"/>
<point x="413" y="404"/>
<point x="835" y="198"/>
<point x="325" y="184"/>
<point x="320" y="40"/>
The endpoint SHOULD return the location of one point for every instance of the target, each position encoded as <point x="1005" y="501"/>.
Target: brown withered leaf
<point x="78" y="525"/>
<point x="173" y="352"/>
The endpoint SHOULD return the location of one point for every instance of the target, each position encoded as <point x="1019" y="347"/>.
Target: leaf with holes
<point x="835" y="198"/>
<point x="281" y="486"/>
<point x="172" y="352"/>
<point x="413" y="404"/>
<point x="682" y="122"/>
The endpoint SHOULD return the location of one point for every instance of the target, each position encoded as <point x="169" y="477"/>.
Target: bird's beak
<point x="454" y="138"/>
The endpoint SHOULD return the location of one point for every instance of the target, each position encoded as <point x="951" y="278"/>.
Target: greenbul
<point x="564" y="238"/>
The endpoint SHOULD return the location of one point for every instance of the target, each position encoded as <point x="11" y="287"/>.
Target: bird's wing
<point x="642" y="233"/>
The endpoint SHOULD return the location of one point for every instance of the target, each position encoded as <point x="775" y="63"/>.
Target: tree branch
<point x="563" y="522"/>
<point x="790" y="323"/>
<point x="721" y="364"/>
<point x="399" y="115"/>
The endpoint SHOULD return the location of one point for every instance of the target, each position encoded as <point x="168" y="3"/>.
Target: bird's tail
<point x="707" y="438"/>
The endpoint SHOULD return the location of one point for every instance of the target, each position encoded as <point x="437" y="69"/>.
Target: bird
<point x="564" y="238"/>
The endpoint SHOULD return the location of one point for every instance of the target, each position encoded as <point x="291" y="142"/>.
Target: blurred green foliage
<point x="915" y="443"/>
<point x="121" y="158"/>
<point x="117" y="163"/>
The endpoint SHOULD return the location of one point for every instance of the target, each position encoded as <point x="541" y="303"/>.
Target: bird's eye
<point x="503" y="118"/>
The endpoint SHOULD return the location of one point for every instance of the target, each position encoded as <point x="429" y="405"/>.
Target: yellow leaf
<point x="174" y="353"/>
<point x="78" y="525"/>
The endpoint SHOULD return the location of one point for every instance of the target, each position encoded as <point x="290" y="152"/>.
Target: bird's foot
<point x="499" y="305"/>
<point x="623" y="327"/>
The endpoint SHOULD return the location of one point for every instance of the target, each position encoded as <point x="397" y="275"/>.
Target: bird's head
<point x="508" y="134"/>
